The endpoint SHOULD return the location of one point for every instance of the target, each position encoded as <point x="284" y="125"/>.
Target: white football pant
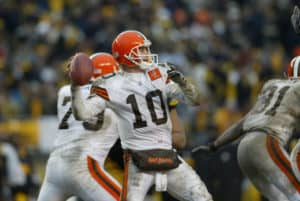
<point x="183" y="183"/>
<point x="70" y="175"/>
<point x="266" y="163"/>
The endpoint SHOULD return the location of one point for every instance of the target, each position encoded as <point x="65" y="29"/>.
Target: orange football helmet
<point x="293" y="70"/>
<point x="131" y="48"/>
<point x="104" y="64"/>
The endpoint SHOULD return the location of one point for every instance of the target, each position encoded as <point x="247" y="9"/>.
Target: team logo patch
<point x="154" y="74"/>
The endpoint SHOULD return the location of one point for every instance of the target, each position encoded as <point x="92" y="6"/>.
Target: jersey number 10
<point x="139" y="122"/>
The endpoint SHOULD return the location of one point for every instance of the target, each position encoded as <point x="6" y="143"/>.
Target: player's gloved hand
<point x="295" y="19"/>
<point x="205" y="148"/>
<point x="175" y="75"/>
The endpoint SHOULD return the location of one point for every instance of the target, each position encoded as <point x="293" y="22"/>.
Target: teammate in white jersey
<point x="295" y="155"/>
<point x="265" y="131"/>
<point x="76" y="166"/>
<point x="139" y="96"/>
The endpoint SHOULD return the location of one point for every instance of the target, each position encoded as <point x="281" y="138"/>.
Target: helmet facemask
<point x="141" y="55"/>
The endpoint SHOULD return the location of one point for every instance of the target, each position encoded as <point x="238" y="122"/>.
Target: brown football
<point x="81" y="68"/>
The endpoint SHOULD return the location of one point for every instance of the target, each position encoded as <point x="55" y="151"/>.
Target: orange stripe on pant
<point x="281" y="160"/>
<point x="126" y="157"/>
<point x="298" y="160"/>
<point x="102" y="179"/>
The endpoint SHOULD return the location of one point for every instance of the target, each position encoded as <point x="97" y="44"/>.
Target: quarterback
<point x="139" y="97"/>
<point x="82" y="147"/>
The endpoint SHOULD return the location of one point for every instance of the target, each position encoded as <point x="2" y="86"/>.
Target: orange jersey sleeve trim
<point x="102" y="92"/>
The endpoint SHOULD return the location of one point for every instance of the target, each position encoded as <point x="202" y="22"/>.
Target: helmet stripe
<point x="142" y="35"/>
<point x="296" y="67"/>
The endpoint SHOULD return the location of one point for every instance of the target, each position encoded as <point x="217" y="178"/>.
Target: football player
<point x="87" y="144"/>
<point x="295" y="154"/>
<point x="139" y="97"/>
<point x="76" y="166"/>
<point x="265" y="131"/>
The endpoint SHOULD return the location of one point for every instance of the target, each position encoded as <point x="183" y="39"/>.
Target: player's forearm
<point x="231" y="134"/>
<point x="179" y="140"/>
<point x="191" y="91"/>
<point x="178" y="131"/>
<point x="83" y="109"/>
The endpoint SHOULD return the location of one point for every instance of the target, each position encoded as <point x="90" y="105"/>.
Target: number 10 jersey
<point x="140" y="102"/>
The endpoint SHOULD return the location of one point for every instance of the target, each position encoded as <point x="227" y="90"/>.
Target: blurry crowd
<point x="18" y="179"/>
<point x="229" y="47"/>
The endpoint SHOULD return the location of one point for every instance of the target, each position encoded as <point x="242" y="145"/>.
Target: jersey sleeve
<point x="63" y="96"/>
<point x="86" y="109"/>
<point x="188" y="92"/>
<point x="100" y="91"/>
<point x="231" y="134"/>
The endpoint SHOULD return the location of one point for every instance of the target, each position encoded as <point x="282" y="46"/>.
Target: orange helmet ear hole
<point x="104" y="64"/>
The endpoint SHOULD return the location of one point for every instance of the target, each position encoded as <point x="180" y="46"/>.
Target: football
<point x="81" y="68"/>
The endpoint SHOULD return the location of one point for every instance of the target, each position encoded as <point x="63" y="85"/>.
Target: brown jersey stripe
<point x="100" y="92"/>
<point x="168" y="80"/>
<point x="109" y="185"/>
<point x="126" y="157"/>
<point x="103" y="96"/>
<point x="281" y="160"/>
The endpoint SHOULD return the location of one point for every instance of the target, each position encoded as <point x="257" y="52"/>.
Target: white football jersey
<point x="140" y="102"/>
<point x="277" y="109"/>
<point x="96" y="136"/>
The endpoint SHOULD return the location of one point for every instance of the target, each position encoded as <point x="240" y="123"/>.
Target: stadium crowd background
<point x="229" y="47"/>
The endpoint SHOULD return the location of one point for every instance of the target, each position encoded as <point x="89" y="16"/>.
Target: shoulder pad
<point x="65" y="90"/>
